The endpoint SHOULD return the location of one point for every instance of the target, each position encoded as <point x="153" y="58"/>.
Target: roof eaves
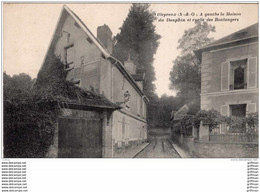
<point x="198" y="52"/>
<point x="129" y="77"/>
<point x="223" y="43"/>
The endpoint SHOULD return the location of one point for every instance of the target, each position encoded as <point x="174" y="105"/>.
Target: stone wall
<point x="225" y="150"/>
<point x="209" y="149"/>
<point x="84" y="55"/>
<point x="127" y="130"/>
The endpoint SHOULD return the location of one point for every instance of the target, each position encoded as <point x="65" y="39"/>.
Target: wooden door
<point x="79" y="137"/>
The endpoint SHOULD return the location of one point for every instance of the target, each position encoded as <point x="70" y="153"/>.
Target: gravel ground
<point x="159" y="147"/>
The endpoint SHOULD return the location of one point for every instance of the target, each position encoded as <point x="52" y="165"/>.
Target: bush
<point x="235" y="124"/>
<point x="252" y="122"/>
<point x="187" y="123"/>
<point x="212" y="118"/>
<point x="30" y="115"/>
<point x="28" y="128"/>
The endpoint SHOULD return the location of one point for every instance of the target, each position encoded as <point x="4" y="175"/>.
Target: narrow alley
<point x="159" y="147"/>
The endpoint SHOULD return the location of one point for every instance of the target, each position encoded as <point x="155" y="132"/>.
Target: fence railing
<point x="234" y="138"/>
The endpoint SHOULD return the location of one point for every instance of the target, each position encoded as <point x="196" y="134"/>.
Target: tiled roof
<point x="245" y="33"/>
<point x="91" y="99"/>
<point x="181" y="112"/>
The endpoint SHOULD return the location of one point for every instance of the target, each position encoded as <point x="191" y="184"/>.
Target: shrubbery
<point x="213" y="119"/>
<point x="31" y="113"/>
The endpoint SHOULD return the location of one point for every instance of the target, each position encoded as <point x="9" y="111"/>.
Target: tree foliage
<point x="30" y="113"/>
<point x="138" y="38"/>
<point x="211" y="117"/>
<point x="185" y="76"/>
<point x="196" y="37"/>
<point x="160" y="111"/>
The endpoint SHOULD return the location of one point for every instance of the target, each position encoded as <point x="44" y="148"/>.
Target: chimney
<point x="104" y="34"/>
<point x="130" y="66"/>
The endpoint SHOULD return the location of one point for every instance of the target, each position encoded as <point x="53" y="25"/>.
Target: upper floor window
<point x="69" y="55"/>
<point x="139" y="104"/>
<point x="238" y="74"/>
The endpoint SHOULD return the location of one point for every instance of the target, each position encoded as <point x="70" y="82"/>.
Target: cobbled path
<point x="159" y="147"/>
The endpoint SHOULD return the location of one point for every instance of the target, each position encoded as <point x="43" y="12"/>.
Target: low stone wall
<point x="225" y="150"/>
<point x="210" y="149"/>
<point x="186" y="143"/>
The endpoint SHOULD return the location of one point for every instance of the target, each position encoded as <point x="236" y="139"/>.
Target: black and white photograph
<point x="130" y="80"/>
<point x="130" y="96"/>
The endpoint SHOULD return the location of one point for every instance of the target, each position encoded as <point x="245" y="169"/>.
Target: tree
<point x="28" y="123"/>
<point x="139" y="39"/>
<point x="196" y="37"/>
<point x="185" y="75"/>
<point x="160" y="111"/>
<point x="17" y="83"/>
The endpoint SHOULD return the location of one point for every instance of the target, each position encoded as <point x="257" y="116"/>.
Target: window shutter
<point x="252" y="72"/>
<point x="224" y="76"/>
<point x="251" y="107"/>
<point x="224" y="110"/>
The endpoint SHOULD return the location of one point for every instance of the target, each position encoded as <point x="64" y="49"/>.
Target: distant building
<point x="229" y="73"/>
<point x="98" y="130"/>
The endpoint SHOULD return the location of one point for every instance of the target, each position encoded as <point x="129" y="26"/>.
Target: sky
<point x="28" y="29"/>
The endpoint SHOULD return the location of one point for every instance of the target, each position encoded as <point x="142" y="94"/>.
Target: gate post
<point x="203" y="132"/>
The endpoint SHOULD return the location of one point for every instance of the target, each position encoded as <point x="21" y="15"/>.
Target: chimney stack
<point x="130" y="66"/>
<point x="104" y="34"/>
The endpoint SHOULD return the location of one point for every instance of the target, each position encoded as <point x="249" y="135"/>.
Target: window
<point x="238" y="74"/>
<point x="238" y="111"/>
<point x="69" y="55"/>
<point x="138" y="105"/>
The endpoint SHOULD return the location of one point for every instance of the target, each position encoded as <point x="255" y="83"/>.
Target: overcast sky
<point x="28" y="29"/>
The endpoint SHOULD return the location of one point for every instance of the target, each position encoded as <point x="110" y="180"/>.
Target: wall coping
<point x="215" y="142"/>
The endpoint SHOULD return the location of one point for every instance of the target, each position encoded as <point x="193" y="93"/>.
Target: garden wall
<point x="225" y="150"/>
<point x="211" y="149"/>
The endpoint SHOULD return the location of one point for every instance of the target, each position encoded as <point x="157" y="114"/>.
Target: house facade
<point x="229" y="73"/>
<point x="91" y="66"/>
<point x="229" y="85"/>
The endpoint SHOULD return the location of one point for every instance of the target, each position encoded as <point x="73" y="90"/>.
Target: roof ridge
<point x="234" y="33"/>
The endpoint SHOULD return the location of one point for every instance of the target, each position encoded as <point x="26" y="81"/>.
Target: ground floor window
<point x="238" y="111"/>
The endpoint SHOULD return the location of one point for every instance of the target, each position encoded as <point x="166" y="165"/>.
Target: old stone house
<point x="98" y="128"/>
<point x="229" y="84"/>
<point x="229" y="73"/>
